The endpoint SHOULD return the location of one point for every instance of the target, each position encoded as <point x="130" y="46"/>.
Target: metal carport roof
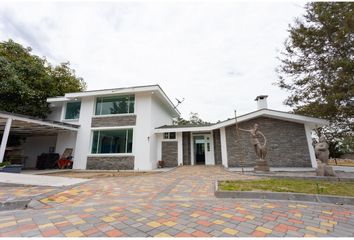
<point x="28" y="126"/>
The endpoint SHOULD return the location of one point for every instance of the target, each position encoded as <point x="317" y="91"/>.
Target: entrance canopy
<point x="28" y="126"/>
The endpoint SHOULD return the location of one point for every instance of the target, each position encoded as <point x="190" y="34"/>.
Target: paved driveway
<point x="175" y="203"/>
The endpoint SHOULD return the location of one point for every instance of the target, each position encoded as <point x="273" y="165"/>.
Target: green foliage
<point x="4" y="164"/>
<point x="194" y="119"/>
<point x="317" y="66"/>
<point x="347" y="144"/>
<point x="26" y="80"/>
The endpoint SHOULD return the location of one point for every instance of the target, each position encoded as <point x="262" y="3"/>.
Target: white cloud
<point x="218" y="56"/>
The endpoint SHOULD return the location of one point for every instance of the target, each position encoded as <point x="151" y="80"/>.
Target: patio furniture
<point x="47" y="160"/>
<point x="65" y="160"/>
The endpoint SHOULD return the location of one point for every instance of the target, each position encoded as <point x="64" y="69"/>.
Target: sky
<point x="216" y="55"/>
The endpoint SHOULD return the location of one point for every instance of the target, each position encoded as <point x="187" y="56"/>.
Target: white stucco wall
<point x="159" y="117"/>
<point x="66" y="140"/>
<point x="83" y="139"/>
<point x="35" y="146"/>
<point x="142" y="132"/>
<point x="55" y="114"/>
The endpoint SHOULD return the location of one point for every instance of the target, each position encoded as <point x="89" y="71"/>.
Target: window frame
<point x="66" y="109"/>
<point x="167" y="136"/>
<point x="99" y="130"/>
<point x="113" y="114"/>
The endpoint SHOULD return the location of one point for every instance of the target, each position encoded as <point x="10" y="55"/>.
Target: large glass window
<point x="72" y="110"/>
<point x="112" y="141"/>
<point x="115" y="105"/>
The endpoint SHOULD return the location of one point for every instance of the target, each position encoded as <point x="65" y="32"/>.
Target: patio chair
<point x="65" y="160"/>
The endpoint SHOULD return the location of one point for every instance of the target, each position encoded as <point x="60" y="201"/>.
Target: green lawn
<point x="290" y="185"/>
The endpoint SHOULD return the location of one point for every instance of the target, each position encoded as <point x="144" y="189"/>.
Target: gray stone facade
<point x="217" y="147"/>
<point x="170" y="153"/>
<point x="286" y="144"/>
<point x="186" y="142"/>
<point x="113" y="121"/>
<point x="110" y="163"/>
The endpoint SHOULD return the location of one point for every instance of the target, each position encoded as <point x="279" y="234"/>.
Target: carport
<point x="28" y="126"/>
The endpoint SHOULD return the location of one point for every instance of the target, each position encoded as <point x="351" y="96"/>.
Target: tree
<point x="317" y="66"/>
<point x="26" y="80"/>
<point x="194" y="119"/>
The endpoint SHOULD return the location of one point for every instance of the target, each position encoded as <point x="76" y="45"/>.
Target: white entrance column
<point x="309" y="144"/>
<point x="180" y="148"/>
<point x="223" y="147"/>
<point x="5" y="136"/>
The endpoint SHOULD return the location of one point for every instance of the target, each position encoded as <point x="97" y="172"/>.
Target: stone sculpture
<point x="260" y="149"/>
<point x="322" y="156"/>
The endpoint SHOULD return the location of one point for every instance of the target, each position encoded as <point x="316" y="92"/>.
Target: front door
<point x="203" y="149"/>
<point x="199" y="147"/>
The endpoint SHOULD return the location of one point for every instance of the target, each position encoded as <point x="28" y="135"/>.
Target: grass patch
<point x="290" y="185"/>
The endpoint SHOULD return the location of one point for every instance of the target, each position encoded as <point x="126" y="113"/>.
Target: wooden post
<point x="238" y="140"/>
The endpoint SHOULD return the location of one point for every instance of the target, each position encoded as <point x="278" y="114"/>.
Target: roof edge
<point x="143" y="88"/>
<point x="258" y="113"/>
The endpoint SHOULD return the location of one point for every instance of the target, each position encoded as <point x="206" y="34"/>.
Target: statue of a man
<point x="261" y="150"/>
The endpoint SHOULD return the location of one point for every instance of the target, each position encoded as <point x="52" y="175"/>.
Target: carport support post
<point x="5" y="136"/>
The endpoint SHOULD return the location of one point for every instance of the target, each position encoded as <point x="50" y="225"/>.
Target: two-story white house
<point x="117" y="126"/>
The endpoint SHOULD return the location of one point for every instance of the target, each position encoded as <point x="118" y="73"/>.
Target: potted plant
<point x="10" y="168"/>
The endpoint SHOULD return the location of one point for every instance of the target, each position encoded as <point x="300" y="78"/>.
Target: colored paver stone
<point x="178" y="203"/>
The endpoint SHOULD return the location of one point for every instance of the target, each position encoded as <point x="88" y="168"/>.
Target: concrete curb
<point x="14" y="204"/>
<point x="333" y="179"/>
<point x="57" y="190"/>
<point x="338" y="200"/>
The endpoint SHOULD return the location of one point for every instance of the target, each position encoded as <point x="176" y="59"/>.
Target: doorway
<point x="202" y="149"/>
<point x="199" y="146"/>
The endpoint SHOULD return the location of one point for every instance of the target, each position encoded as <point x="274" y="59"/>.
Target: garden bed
<point x="291" y="185"/>
<point x="288" y="189"/>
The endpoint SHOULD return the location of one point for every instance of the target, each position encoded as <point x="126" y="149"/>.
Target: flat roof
<point x="28" y="125"/>
<point x="134" y="89"/>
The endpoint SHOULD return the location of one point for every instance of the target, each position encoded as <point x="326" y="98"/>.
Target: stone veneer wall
<point x="217" y="147"/>
<point x="186" y="142"/>
<point x="170" y="153"/>
<point x="286" y="144"/>
<point x="110" y="163"/>
<point x="113" y="121"/>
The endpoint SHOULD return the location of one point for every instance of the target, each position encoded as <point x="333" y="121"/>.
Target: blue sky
<point x="217" y="55"/>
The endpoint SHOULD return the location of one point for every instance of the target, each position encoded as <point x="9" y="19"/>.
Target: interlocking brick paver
<point x="114" y="233"/>
<point x="75" y="234"/>
<point x="200" y="234"/>
<point x="230" y="231"/>
<point x="178" y="203"/>
<point x="259" y="234"/>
